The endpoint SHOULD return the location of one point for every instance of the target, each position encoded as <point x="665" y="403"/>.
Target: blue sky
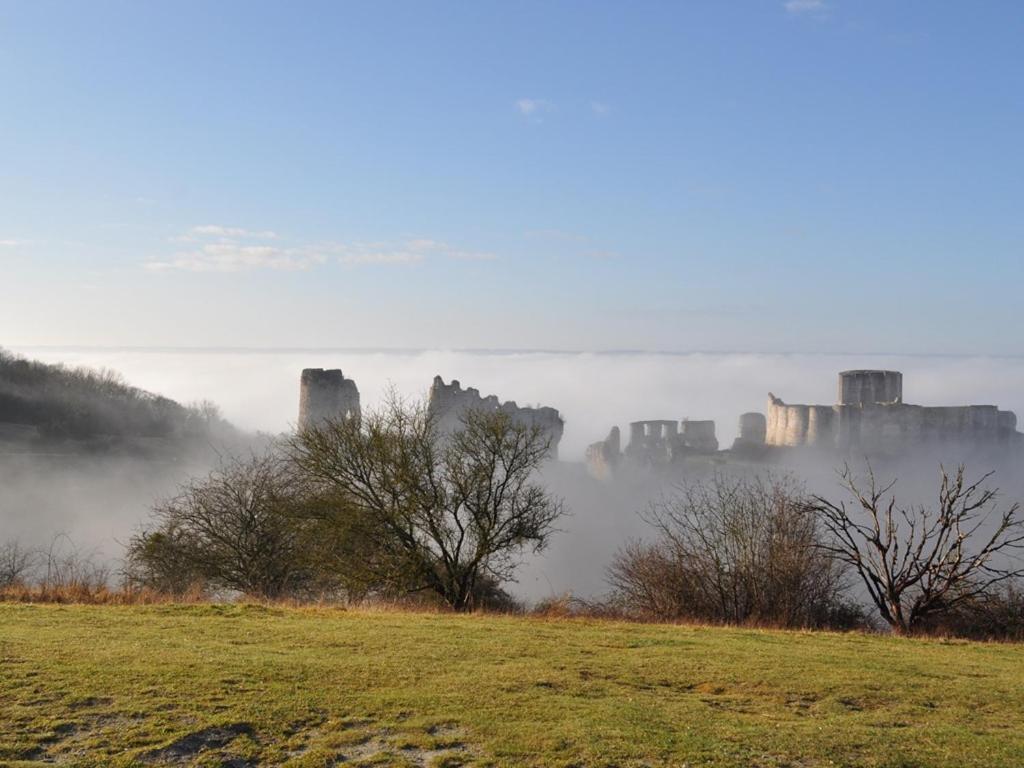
<point x="763" y="175"/>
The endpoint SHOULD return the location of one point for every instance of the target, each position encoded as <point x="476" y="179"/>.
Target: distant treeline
<point x="81" y="403"/>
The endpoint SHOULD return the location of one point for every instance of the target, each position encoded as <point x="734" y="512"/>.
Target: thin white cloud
<point x="529" y="106"/>
<point x="216" y="230"/>
<point x="13" y="242"/>
<point x="600" y="108"/>
<point x="412" y="251"/>
<point x="226" y="249"/>
<point x="235" y="257"/>
<point x="805" y="6"/>
<point x="534" y="109"/>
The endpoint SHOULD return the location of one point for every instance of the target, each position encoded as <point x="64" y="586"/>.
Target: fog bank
<point x="100" y="501"/>
<point x="593" y="391"/>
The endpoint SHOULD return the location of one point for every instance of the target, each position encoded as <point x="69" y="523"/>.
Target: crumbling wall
<point x="699" y="435"/>
<point x="870" y="418"/>
<point x="326" y="394"/>
<point x="603" y="458"/>
<point x="797" y="425"/>
<point x="897" y="427"/>
<point x="652" y="443"/>
<point x="449" y="402"/>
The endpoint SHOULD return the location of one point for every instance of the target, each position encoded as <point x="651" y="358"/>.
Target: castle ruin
<point x="869" y="419"/>
<point x="449" y="402"/>
<point x="872" y="418"/>
<point x="657" y="443"/>
<point x="325" y="395"/>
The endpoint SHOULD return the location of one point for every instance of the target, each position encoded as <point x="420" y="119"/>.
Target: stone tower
<point x="753" y="428"/>
<point x="870" y="387"/>
<point x="326" y="395"/>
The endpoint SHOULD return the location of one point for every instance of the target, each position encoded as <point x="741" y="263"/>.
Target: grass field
<point x="248" y="685"/>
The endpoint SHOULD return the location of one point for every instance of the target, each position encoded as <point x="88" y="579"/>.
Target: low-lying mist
<point x="99" y="501"/>
<point x="593" y="391"/>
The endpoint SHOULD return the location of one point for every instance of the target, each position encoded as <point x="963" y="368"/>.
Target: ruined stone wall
<point x="897" y="427"/>
<point x="326" y="394"/>
<point x="1007" y="423"/>
<point x="448" y="402"/>
<point x="699" y="435"/>
<point x="799" y="425"/>
<point x="652" y="443"/>
<point x="603" y="458"/>
<point x="660" y="439"/>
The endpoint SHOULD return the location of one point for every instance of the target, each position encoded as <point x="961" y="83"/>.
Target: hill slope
<point x="55" y="401"/>
<point x="236" y="685"/>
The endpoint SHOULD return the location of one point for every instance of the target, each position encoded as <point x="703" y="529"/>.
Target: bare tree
<point x="237" y="529"/>
<point x="443" y="513"/>
<point x="732" y="549"/>
<point x="917" y="562"/>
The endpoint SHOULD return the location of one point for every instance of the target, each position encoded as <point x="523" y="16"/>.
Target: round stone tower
<point x="870" y="387"/>
<point x="753" y="428"/>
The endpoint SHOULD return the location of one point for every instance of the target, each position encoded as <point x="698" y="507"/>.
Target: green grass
<point x="115" y="685"/>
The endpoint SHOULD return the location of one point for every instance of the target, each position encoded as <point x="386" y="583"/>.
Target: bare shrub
<point x="67" y="567"/>
<point x="238" y="529"/>
<point x="995" y="615"/>
<point x="735" y="550"/>
<point x="569" y="606"/>
<point x="17" y="564"/>
<point x="921" y="564"/>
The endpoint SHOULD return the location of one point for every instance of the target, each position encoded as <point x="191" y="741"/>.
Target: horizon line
<point x="164" y="349"/>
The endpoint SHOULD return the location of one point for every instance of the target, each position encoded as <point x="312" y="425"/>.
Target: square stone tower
<point x="326" y="395"/>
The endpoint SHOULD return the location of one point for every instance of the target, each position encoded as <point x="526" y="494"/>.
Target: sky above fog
<point x="771" y="175"/>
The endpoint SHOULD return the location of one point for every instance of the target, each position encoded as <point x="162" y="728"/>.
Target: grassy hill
<point x="246" y="686"/>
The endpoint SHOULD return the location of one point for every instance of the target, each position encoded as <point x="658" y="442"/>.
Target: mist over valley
<point x="100" y="499"/>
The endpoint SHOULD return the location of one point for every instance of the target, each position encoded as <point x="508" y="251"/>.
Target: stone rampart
<point x="449" y="402"/>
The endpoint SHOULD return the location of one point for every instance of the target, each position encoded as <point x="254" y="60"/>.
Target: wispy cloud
<point x="13" y="242"/>
<point x="805" y="6"/>
<point x="204" y="231"/>
<point x="231" y="249"/>
<point x="237" y="257"/>
<point x="530" y="106"/>
<point x="411" y="251"/>
<point x="534" y="110"/>
<point x="600" y="108"/>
